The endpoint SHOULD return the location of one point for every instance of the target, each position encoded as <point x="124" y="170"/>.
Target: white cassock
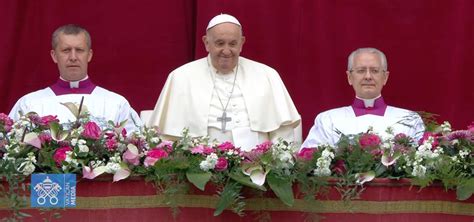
<point x="102" y="104"/>
<point x="329" y="125"/>
<point x="260" y="107"/>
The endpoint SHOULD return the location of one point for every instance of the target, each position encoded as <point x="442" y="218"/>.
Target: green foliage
<point x="230" y="198"/>
<point x="283" y="187"/>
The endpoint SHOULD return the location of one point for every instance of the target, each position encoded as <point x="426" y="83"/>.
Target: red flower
<point x="339" y="167"/>
<point x="221" y="164"/>
<point x="91" y="131"/>
<point x="60" y="154"/>
<point x="369" y="140"/>
<point x="306" y="153"/>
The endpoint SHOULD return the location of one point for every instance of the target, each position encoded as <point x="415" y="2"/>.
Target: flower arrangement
<point x="92" y="147"/>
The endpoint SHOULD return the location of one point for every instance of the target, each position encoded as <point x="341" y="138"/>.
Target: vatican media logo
<point x="53" y="190"/>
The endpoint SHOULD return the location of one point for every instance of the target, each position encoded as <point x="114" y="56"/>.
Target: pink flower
<point x="339" y="167"/>
<point x="427" y="135"/>
<point x="225" y="146"/>
<point x="124" y="132"/>
<point x="264" y="147"/>
<point x="154" y="155"/>
<point x="45" y="137"/>
<point x="91" y="131"/>
<point x="221" y="164"/>
<point x="369" y="140"/>
<point x="111" y="144"/>
<point x="5" y="123"/>
<point x="306" y="154"/>
<point x="471" y="127"/>
<point x="202" y="149"/>
<point x="45" y="120"/>
<point x="132" y="158"/>
<point x="166" y="145"/>
<point x="60" y="154"/>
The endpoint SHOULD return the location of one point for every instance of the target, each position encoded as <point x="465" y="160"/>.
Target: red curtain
<point x="136" y="44"/>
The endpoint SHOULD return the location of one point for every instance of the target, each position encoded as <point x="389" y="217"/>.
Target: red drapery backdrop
<point x="429" y="45"/>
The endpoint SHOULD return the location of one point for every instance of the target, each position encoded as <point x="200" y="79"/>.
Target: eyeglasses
<point x="371" y="70"/>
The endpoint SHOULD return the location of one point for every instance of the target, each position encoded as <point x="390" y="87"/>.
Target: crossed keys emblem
<point x="47" y="189"/>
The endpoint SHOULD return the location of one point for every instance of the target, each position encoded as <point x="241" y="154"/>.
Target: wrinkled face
<point x="72" y="56"/>
<point x="224" y="43"/>
<point x="367" y="75"/>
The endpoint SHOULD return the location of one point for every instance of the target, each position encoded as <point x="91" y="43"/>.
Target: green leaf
<point x="56" y="131"/>
<point x="464" y="191"/>
<point x="245" y="180"/>
<point x="199" y="179"/>
<point x="228" y="196"/>
<point x="282" y="187"/>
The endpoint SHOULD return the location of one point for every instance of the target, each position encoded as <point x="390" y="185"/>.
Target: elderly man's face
<point x="367" y="75"/>
<point x="224" y="44"/>
<point x="72" y="56"/>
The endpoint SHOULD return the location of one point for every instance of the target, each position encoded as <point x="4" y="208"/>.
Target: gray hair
<point x="383" y="59"/>
<point x="70" y="29"/>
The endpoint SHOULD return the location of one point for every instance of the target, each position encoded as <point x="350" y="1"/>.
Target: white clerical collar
<point x="74" y="84"/>
<point x="369" y="102"/>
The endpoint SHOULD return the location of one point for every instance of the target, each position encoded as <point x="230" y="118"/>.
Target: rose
<point x="45" y="120"/>
<point x="60" y="154"/>
<point x="221" y="164"/>
<point x="369" y="140"/>
<point x="154" y="155"/>
<point x="91" y="131"/>
<point x="306" y="154"/>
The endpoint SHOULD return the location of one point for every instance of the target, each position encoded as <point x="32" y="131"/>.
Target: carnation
<point x="60" y="154"/>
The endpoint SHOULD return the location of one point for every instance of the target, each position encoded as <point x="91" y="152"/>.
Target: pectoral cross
<point x="224" y="119"/>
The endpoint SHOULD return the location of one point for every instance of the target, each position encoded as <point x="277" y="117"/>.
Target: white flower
<point x="463" y="153"/>
<point x="446" y="127"/>
<point x="83" y="148"/>
<point x="73" y="142"/>
<point x="209" y="163"/>
<point x="28" y="166"/>
<point x="112" y="167"/>
<point x="419" y="171"/>
<point x="155" y="139"/>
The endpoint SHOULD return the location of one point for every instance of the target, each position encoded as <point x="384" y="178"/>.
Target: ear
<point x="90" y="55"/>
<point x="349" y="78"/>
<point x="206" y="43"/>
<point x="53" y="56"/>
<point x="386" y="78"/>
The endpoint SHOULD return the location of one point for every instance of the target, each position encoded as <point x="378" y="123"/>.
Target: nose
<point x="367" y="75"/>
<point x="226" y="50"/>
<point x="73" y="55"/>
